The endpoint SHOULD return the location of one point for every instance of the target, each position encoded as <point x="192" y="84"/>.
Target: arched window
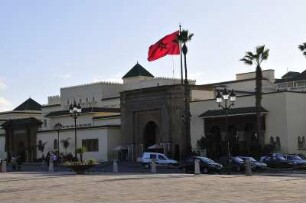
<point x="55" y="145"/>
<point x="271" y="140"/>
<point x="278" y="143"/>
<point x="299" y="142"/>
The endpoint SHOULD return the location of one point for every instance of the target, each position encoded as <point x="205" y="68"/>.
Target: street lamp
<point x="58" y="127"/>
<point x="229" y="100"/>
<point x="75" y="110"/>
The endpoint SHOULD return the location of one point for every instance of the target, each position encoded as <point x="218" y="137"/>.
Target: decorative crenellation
<point x="94" y="83"/>
<point x="53" y="99"/>
<point x="169" y="78"/>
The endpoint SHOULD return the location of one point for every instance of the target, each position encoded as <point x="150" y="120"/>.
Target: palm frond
<point x="302" y="47"/>
<point x="247" y="61"/>
<point x="249" y="54"/>
<point x="184" y="36"/>
<point x="260" y="50"/>
<point x="265" y="54"/>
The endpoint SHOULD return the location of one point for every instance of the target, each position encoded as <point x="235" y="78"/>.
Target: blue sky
<point x="46" y="45"/>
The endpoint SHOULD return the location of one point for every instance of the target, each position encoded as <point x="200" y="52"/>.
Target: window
<point x="55" y="144"/>
<point x="45" y="123"/>
<point x="160" y="157"/>
<point x="301" y="142"/>
<point x="271" y="140"/>
<point x="278" y="143"/>
<point x="152" y="156"/>
<point x="92" y="145"/>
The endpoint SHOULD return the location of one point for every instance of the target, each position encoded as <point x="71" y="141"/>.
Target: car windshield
<point x="238" y="159"/>
<point x="205" y="159"/>
<point x="251" y="159"/>
<point x="294" y="158"/>
<point x="281" y="158"/>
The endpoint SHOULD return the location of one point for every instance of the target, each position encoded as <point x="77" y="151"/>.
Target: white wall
<point x="104" y="136"/>
<point x="285" y="117"/>
<point x="90" y="94"/>
<point x="296" y="117"/>
<point x="276" y="124"/>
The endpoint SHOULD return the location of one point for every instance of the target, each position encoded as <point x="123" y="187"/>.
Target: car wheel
<point x="146" y="165"/>
<point x="205" y="170"/>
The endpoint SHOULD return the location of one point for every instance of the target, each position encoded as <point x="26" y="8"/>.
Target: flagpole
<point x="181" y="57"/>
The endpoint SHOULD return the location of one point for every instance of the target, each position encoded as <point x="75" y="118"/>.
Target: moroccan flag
<point x="168" y="45"/>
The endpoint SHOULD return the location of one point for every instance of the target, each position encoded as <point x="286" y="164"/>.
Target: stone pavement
<point x="107" y="187"/>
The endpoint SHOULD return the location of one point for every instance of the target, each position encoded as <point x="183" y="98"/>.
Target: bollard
<point x="197" y="167"/>
<point x="153" y="166"/>
<point x="115" y="166"/>
<point x="3" y="166"/>
<point x="248" y="169"/>
<point x="51" y="169"/>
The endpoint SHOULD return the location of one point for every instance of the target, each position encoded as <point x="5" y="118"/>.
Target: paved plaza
<point x="108" y="187"/>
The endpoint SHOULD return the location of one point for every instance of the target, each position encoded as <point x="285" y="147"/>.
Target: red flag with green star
<point x="168" y="45"/>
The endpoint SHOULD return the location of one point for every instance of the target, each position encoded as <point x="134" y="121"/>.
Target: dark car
<point x="295" y="160"/>
<point x="277" y="162"/>
<point x="257" y="164"/>
<point x="234" y="163"/>
<point x="302" y="156"/>
<point x="206" y="165"/>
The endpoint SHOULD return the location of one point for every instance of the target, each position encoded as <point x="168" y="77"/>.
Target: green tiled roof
<point x="29" y="104"/>
<point x="22" y="121"/>
<point x="138" y="70"/>
<point x="231" y="112"/>
<point x="84" y="110"/>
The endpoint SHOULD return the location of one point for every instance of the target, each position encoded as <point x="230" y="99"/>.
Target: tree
<point x="41" y="146"/>
<point x="302" y="47"/>
<point x="81" y="151"/>
<point x="182" y="38"/>
<point x="261" y="54"/>
<point x="66" y="143"/>
<point x="202" y="143"/>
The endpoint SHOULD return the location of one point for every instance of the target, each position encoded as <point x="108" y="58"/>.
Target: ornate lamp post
<point x="58" y="127"/>
<point x="75" y="110"/>
<point x="228" y="100"/>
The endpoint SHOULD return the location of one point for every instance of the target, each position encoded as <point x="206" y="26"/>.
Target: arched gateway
<point x="153" y="116"/>
<point x="150" y="135"/>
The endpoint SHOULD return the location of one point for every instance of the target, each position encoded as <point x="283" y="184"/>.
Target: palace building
<point x="145" y="113"/>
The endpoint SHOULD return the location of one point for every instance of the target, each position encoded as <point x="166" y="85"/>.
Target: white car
<point x="159" y="158"/>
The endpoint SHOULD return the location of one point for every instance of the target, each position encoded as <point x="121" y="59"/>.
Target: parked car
<point x="235" y="163"/>
<point x="258" y="165"/>
<point x="160" y="159"/>
<point x="206" y="165"/>
<point x="295" y="160"/>
<point x="277" y="162"/>
<point x="302" y="156"/>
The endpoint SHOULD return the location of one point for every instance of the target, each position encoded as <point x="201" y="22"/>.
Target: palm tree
<point x="41" y="146"/>
<point x="257" y="58"/>
<point x="183" y="38"/>
<point x="66" y="143"/>
<point x="302" y="47"/>
<point x="81" y="151"/>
